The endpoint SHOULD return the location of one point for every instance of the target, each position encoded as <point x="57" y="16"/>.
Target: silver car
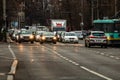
<point x="26" y="36"/>
<point x="48" y="37"/>
<point x="69" y="37"/>
<point x="94" y="38"/>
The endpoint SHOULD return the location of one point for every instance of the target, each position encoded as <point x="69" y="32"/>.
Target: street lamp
<point x="81" y="23"/>
<point x="4" y="18"/>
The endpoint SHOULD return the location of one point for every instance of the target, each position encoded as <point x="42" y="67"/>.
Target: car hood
<point x="26" y="34"/>
<point x="70" y="36"/>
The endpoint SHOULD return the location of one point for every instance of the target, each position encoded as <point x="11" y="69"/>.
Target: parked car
<point x="69" y="37"/>
<point x="25" y="36"/>
<point x="48" y="37"/>
<point x="94" y="38"/>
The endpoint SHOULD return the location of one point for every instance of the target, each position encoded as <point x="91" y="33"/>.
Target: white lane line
<point x="13" y="54"/>
<point x="102" y="53"/>
<point x="2" y="74"/>
<point x="117" y="58"/>
<point x="112" y="56"/>
<point x="82" y="67"/>
<point x="95" y="73"/>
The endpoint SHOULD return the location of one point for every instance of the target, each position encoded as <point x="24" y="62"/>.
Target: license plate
<point x="98" y="40"/>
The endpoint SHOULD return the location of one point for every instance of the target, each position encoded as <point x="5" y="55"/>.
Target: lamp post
<point x="81" y="23"/>
<point x="4" y="18"/>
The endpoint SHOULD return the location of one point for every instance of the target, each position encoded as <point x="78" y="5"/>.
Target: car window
<point x="48" y="34"/>
<point x="26" y="32"/>
<point x="70" y="34"/>
<point x="98" y="34"/>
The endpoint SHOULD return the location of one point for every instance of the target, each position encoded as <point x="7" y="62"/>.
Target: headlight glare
<point x="31" y="36"/>
<point x="43" y="37"/>
<point x="54" y="38"/>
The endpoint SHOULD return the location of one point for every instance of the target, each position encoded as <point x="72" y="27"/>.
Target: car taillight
<point x="104" y="37"/>
<point x="92" y="37"/>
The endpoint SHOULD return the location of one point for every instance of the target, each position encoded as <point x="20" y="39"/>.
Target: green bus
<point x="111" y="27"/>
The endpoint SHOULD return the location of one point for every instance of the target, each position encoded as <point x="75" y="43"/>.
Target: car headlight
<point x="43" y="38"/>
<point x="21" y="36"/>
<point x="17" y="37"/>
<point x="37" y="36"/>
<point x="54" y="38"/>
<point x="31" y="36"/>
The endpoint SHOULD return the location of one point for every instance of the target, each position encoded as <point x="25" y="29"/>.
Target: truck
<point x="58" y="25"/>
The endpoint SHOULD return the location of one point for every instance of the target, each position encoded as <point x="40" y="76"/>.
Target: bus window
<point x="117" y="27"/>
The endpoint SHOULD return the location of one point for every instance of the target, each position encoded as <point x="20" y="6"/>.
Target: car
<point x="48" y="37"/>
<point x="37" y="35"/>
<point x="25" y="36"/>
<point x="13" y="37"/>
<point x="96" y="38"/>
<point x="69" y="37"/>
<point x="79" y="34"/>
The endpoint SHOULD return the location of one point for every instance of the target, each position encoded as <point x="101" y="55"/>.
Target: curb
<point x="12" y="72"/>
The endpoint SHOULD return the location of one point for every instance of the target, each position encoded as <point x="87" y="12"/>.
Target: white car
<point x="79" y="34"/>
<point x="25" y="36"/>
<point x="37" y="35"/>
<point x="69" y="37"/>
<point x="96" y="38"/>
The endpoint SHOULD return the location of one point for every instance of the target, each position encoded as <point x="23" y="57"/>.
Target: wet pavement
<point x="5" y="60"/>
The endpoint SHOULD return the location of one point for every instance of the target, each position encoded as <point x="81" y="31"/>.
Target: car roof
<point x="97" y="31"/>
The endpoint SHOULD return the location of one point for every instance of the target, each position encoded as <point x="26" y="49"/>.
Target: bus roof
<point x="107" y="21"/>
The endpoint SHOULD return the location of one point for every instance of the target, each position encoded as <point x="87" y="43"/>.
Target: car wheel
<point x="54" y="42"/>
<point x="41" y="42"/>
<point x="85" y="44"/>
<point x="89" y="45"/>
<point x="105" y="46"/>
<point x="102" y="46"/>
<point x="32" y="42"/>
<point x="19" y="41"/>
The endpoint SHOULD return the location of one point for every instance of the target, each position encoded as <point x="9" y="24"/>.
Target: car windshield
<point x="70" y="34"/>
<point x="26" y="32"/>
<point x="48" y="34"/>
<point x="98" y="34"/>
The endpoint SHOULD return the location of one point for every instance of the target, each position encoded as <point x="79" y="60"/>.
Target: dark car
<point x="48" y="37"/>
<point x="96" y="38"/>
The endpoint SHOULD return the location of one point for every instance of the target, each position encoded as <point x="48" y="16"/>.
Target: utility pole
<point x="4" y="13"/>
<point x="115" y="7"/>
<point x="4" y="18"/>
<point x="92" y="11"/>
<point x="97" y="9"/>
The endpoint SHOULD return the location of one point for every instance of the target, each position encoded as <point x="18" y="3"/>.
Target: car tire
<point x="105" y="46"/>
<point x="54" y="42"/>
<point x="19" y="41"/>
<point x="32" y="42"/>
<point x="88" y="45"/>
<point x="85" y="45"/>
<point x="41" y="42"/>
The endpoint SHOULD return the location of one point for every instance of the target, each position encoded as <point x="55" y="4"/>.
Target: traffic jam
<point x="42" y="53"/>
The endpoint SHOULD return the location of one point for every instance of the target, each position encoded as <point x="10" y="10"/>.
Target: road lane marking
<point x="82" y="67"/>
<point x="95" y="73"/>
<point x="2" y="74"/>
<point x="13" y="54"/>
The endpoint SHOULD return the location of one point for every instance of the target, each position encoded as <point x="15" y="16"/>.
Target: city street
<point x="65" y="62"/>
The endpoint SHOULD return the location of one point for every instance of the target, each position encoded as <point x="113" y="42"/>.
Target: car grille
<point x="49" y="38"/>
<point x="26" y="37"/>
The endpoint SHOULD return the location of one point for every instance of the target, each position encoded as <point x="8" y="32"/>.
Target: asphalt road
<point x="66" y="62"/>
